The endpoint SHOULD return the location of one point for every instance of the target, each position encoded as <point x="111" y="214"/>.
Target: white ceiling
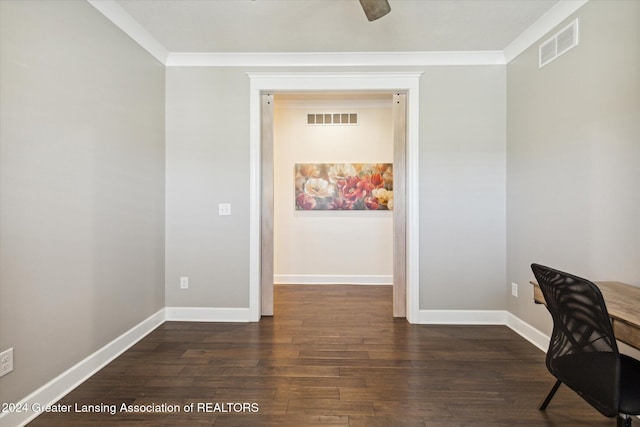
<point x="334" y="25"/>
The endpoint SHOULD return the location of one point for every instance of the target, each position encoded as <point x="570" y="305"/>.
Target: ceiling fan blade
<point x="375" y="9"/>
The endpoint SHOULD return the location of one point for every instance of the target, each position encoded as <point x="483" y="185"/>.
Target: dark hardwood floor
<point x="330" y="356"/>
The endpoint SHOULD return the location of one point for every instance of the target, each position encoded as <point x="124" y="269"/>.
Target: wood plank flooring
<point x="330" y="356"/>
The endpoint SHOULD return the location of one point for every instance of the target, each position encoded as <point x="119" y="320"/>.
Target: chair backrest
<point x="583" y="353"/>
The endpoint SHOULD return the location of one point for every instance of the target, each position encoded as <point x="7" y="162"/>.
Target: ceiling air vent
<point x="560" y="43"/>
<point x="332" y="119"/>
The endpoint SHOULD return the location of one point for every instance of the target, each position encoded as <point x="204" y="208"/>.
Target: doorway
<point x="334" y="239"/>
<point x="404" y="87"/>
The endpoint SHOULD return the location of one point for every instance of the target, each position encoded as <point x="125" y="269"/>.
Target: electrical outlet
<point x="224" y="209"/>
<point x="184" y="282"/>
<point x="6" y="362"/>
<point x="514" y="289"/>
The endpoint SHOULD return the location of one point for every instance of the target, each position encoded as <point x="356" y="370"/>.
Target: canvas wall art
<point x="344" y="186"/>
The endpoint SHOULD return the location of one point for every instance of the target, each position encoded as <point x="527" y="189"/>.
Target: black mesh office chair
<point x="583" y="353"/>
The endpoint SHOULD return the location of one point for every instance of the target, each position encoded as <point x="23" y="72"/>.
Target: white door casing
<point x="406" y="83"/>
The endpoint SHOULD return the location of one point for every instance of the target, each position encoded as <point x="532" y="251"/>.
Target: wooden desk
<point x="623" y="305"/>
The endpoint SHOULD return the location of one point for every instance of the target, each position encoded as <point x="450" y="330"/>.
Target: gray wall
<point x="82" y="187"/>
<point x="462" y="186"/>
<point x="573" y="197"/>
<point x="207" y="163"/>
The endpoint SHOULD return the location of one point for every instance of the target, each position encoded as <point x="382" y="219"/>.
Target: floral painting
<point x="344" y="186"/>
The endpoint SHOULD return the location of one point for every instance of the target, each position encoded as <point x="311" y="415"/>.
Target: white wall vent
<point x="561" y="42"/>
<point x="332" y="118"/>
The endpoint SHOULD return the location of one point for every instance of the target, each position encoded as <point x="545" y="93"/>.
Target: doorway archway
<point x="261" y="259"/>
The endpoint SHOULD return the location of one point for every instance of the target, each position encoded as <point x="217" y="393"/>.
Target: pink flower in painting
<point x="340" y="203"/>
<point x="366" y="186"/>
<point x="353" y="188"/>
<point x="371" y="203"/>
<point x="305" y="201"/>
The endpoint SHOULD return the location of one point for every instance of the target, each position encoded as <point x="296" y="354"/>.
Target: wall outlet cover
<point x="6" y="361"/>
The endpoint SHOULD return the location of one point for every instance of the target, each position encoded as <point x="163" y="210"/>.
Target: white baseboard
<point x="462" y="317"/>
<point x="55" y="389"/>
<point x="325" y="279"/>
<point x="207" y="314"/>
<point x="528" y="332"/>
<point x="486" y="317"/>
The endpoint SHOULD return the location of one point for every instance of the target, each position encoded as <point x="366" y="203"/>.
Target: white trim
<point x="335" y="81"/>
<point x="278" y="82"/>
<point x="547" y="22"/>
<point x="332" y="59"/>
<point x="316" y="105"/>
<point x="486" y="317"/>
<point x="463" y="317"/>
<point x="412" y="205"/>
<point x="61" y="385"/>
<point x="207" y="314"/>
<point x="528" y="332"/>
<point x="121" y="19"/>
<point x="326" y="279"/>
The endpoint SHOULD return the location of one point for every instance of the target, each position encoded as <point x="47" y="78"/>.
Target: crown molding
<point x="333" y="59"/>
<point x="547" y="22"/>
<point x="121" y="19"/>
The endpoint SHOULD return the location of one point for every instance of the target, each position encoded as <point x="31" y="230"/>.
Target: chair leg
<point x="623" y="421"/>
<point x="547" y="399"/>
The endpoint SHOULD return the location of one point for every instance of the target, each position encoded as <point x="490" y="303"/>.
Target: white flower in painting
<point x="318" y="187"/>
<point x="341" y="171"/>
<point x="384" y="197"/>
